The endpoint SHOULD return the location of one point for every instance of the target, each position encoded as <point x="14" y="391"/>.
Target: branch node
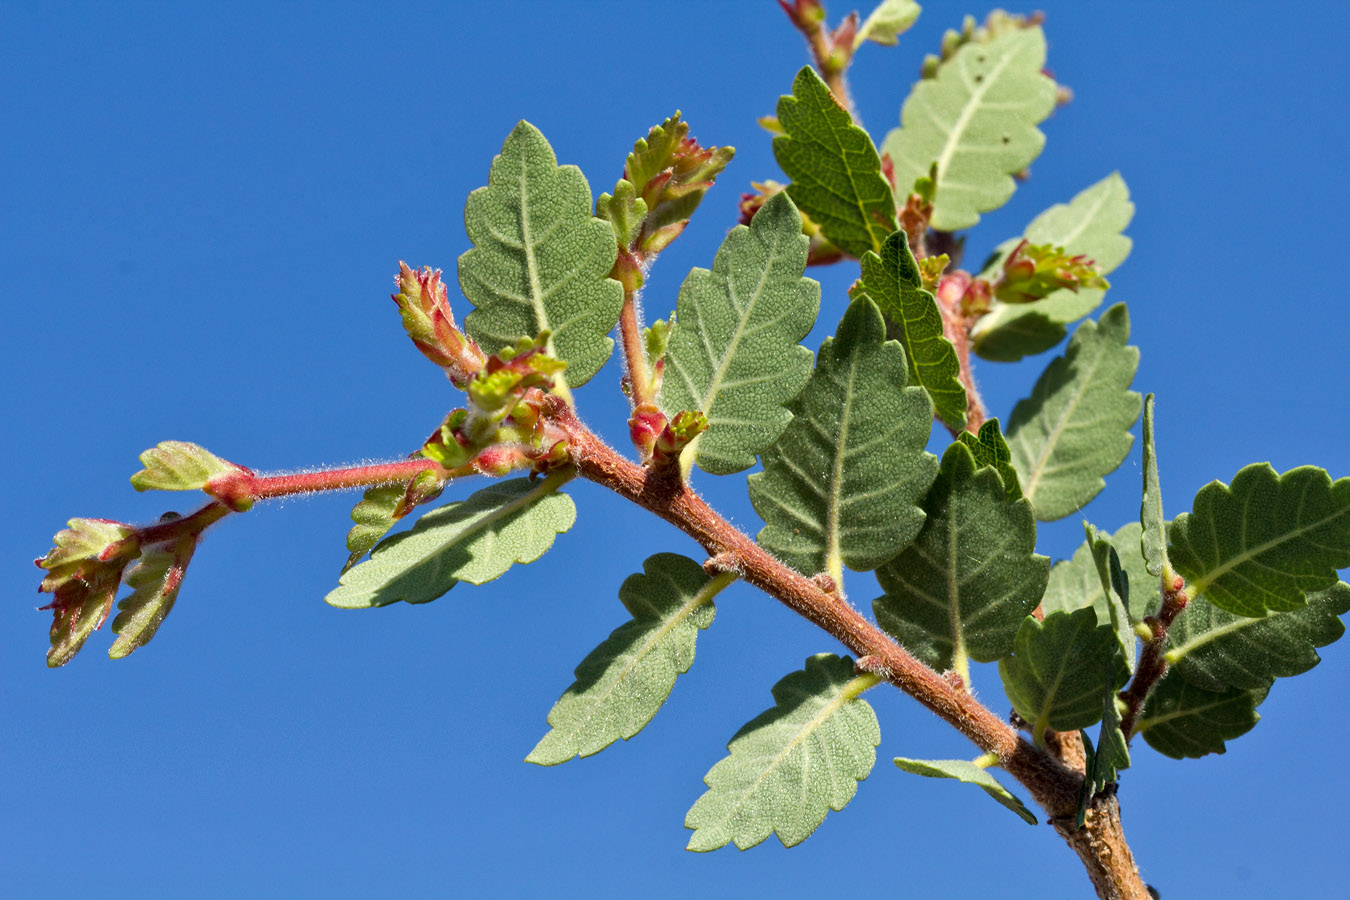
<point x="723" y="563"/>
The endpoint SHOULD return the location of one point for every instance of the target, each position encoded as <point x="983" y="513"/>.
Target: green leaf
<point x="1074" y="428"/>
<point x="1153" y="538"/>
<point x="179" y="466"/>
<point x="1216" y="650"/>
<point x="1104" y="761"/>
<point x="887" y="22"/>
<point x="791" y="764"/>
<point x="374" y="516"/>
<point x="1115" y="590"/>
<point x="893" y="282"/>
<point x="977" y="119"/>
<point x="623" y="682"/>
<point x="154" y="580"/>
<point x="540" y="260"/>
<point x="78" y="618"/>
<point x="835" y="171"/>
<point x="474" y="540"/>
<point x="968" y="772"/>
<point x="1075" y="583"/>
<point x="990" y="449"/>
<point x="1057" y="675"/>
<point x="1183" y="721"/>
<point x="964" y="586"/>
<point x="1090" y="224"/>
<point x="1266" y="541"/>
<point x="844" y="483"/>
<point x="735" y="356"/>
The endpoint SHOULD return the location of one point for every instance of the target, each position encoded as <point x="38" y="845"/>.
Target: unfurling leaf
<point x="179" y="466"/>
<point x="1074" y="428"/>
<point x="155" y="580"/>
<point x="383" y="505"/>
<point x="793" y="763"/>
<point x="1057" y="675"/>
<point x="1216" y="650"/>
<point x="1153" y="538"/>
<point x="735" y="356"/>
<point x="1183" y="721"/>
<point x="84" y="571"/>
<point x="1075" y="583"/>
<point x="835" y="171"/>
<point x="540" y="260"/>
<point x="964" y="586"/>
<point x="968" y="772"/>
<point x="887" y="22"/>
<point x="1033" y="272"/>
<point x="1115" y="589"/>
<point x="893" y="281"/>
<point x="1265" y="542"/>
<point x="474" y="540"/>
<point x="430" y="323"/>
<point x="990" y="449"/>
<point x="1090" y="224"/>
<point x="843" y="484"/>
<point x="623" y="682"/>
<point x="1107" y="759"/>
<point x="977" y="119"/>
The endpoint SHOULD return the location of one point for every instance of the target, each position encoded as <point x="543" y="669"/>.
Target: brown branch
<point x="1152" y="661"/>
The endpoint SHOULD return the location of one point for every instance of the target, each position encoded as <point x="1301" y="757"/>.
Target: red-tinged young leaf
<point x="180" y="466"/>
<point x="155" y="581"/>
<point x="430" y="323"/>
<point x="83" y="544"/>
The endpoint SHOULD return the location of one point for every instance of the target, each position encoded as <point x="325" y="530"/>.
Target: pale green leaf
<point x="893" y="282"/>
<point x="1115" y="584"/>
<point x="74" y="622"/>
<point x="990" y="449"/>
<point x="1183" y="721"/>
<point x="887" y="22"/>
<point x="791" y="764"/>
<point x="622" y="683"/>
<point x="474" y="540"/>
<point x="1216" y="650"/>
<point x="977" y="119"/>
<point x="1153" y="538"/>
<point x="179" y="466"/>
<point x="964" y="586"/>
<point x="540" y="260"/>
<point x="968" y="772"/>
<point x="1057" y="675"/>
<point x="1075" y="583"/>
<point x="1074" y="428"/>
<point x="374" y="516"/>
<point x="844" y="483"/>
<point x="1090" y="224"/>
<point x="1266" y="541"/>
<point x="835" y="171"/>
<point x="155" y="579"/>
<point x="735" y="356"/>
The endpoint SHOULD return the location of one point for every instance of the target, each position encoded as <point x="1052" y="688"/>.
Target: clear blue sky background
<point x="203" y="205"/>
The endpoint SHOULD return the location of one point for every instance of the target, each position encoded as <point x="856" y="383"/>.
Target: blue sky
<point x="203" y="206"/>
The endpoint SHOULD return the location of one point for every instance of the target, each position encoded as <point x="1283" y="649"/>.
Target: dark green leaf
<point x="1115" y="590"/>
<point x="968" y="772"/>
<point x="843" y="484"/>
<point x="1265" y="542"/>
<point x="964" y="586"/>
<point x="791" y="764"/>
<point x="1074" y="428"/>
<point x="735" y="356"/>
<point x="1183" y="721"/>
<point x="835" y="171"/>
<point x="540" y="260"/>
<point x="990" y="449"/>
<point x="1075" y="583"/>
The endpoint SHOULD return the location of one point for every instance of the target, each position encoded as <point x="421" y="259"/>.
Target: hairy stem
<point x="238" y="489"/>
<point x="1152" y="661"/>
<point x="634" y="351"/>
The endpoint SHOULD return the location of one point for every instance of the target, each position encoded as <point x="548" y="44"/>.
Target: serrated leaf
<point x="540" y="260"/>
<point x="1057" y="675"/>
<point x="1115" y="590"/>
<point x="990" y="449"/>
<point x="835" y="171"/>
<point x="1075" y="583"/>
<point x="964" y="586"/>
<point x="893" y="281"/>
<point x="887" y="22"/>
<point x="623" y="682"/>
<point x="735" y="355"/>
<point x="843" y="484"/>
<point x="1074" y="428"/>
<point x="968" y="772"/>
<point x="155" y="580"/>
<point x="1217" y="650"/>
<point x="474" y="540"/>
<point x="791" y="764"/>
<point x="1183" y="721"/>
<point x="179" y="466"/>
<point x="977" y="119"/>
<point x="1266" y="541"/>
<point x="1105" y="760"/>
<point x="1153" y="538"/>
<point x="374" y="516"/>
<point x="1090" y="224"/>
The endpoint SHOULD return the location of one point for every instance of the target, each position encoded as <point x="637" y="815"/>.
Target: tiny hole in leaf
<point x="1007" y="140"/>
<point x="979" y="78"/>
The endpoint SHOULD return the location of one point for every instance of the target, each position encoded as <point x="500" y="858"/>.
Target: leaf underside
<point x="155" y="579"/>
<point x="846" y="478"/>
<point x="968" y="772"/>
<point x="1076" y="582"/>
<point x="1115" y="585"/>
<point x="1153" y="539"/>
<point x="1183" y="721"/>
<point x="989" y="448"/>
